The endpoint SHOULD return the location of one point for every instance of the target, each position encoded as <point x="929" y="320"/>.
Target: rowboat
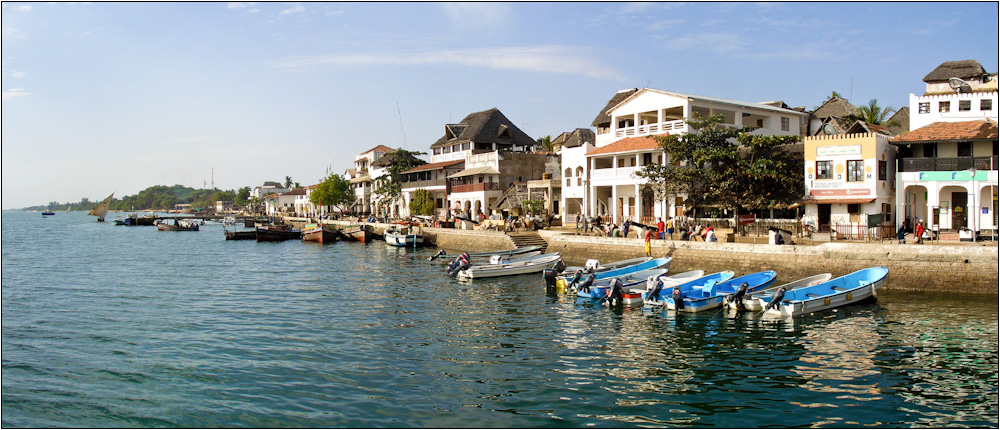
<point x="276" y="234"/>
<point x="751" y="303"/>
<point x="663" y="297"/>
<point x="712" y="295"/>
<point x="516" y="267"/>
<point x="319" y="233"/>
<point x="847" y="289"/>
<point x="402" y="237"/>
<point x="360" y="233"/>
<point x="508" y="253"/>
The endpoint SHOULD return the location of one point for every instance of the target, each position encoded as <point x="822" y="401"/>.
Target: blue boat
<point x="663" y="299"/>
<point x="711" y="295"/>
<point x="847" y="289"/>
<point x="656" y="263"/>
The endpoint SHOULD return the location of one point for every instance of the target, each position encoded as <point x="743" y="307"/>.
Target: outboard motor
<point x="560" y="266"/>
<point x="739" y="295"/>
<point x="461" y="263"/>
<point x="435" y="256"/>
<point x="575" y="280"/>
<point x="678" y="298"/>
<point x="591" y="265"/>
<point x="454" y="264"/>
<point x="550" y="279"/>
<point x="585" y="286"/>
<point x="654" y="292"/>
<point x="615" y="293"/>
<point x="775" y="299"/>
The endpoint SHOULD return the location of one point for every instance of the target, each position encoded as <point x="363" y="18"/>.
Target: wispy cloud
<point x="545" y="59"/>
<point x="247" y="6"/>
<point x="14" y="93"/>
<point x="490" y="17"/>
<point x="24" y="8"/>
<point x="293" y="10"/>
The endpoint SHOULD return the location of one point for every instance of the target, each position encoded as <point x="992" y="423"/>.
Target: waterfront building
<point x="625" y="142"/>
<point x="269" y="187"/>
<point x="574" y="181"/>
<point x="849" y="177"/>
<point x="479" y="132"/>
<point x="947" y="164"/>
<point x="432" y="177"/>
<point x="360" y="178"/>
<point x="283" y="203"/>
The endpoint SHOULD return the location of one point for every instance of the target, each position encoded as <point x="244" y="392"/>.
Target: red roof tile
<point x="628" y="144"/>
<point x="380" y="148"/>
<point x="965" y="130"/>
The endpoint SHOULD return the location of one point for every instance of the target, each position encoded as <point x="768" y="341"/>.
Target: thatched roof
<point x="964" y="69"/>
<point x="488" y="126"/>
<point x="389" y="158"/>
<point x="834" y="106"/>
<point x="575" y="138"/>
<point x="899" y="123"/>
<point x="603" y="117"/>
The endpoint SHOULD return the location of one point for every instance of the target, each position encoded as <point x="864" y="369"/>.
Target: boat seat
<point x="813" y="296"/>
<point x="839" y="288"/>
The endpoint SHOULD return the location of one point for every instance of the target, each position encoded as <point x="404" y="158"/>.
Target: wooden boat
<point x="711" y="296"/>
<point x="360" y="233"/>
<point x="664" y="296"/>
<point x="319" y="233"/>
<point x="277" y="234"/>
<point x="101" y="210"/>
<point x="751" y="302"/>
<point x="183" y="225"/>
<point x="241" y="235"/>
<point x="517" y="267"/>
<point x="847" y="289"/>
<point x="402" y="237"/>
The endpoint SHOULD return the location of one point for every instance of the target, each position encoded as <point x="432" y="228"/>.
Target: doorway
<point x="824" y="217"/>
<point x="959" y="206"/>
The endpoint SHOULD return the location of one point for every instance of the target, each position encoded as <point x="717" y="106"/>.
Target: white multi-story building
<point x="360" y="178"/>
<point x="625" y="142"/>
<point x="947" y="164"/>
<point x="573" y="151"/>
<point x="269" y="187"/>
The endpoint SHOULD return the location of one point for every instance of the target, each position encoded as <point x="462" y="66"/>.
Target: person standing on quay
<point x="901" y="234"/>
<point x="660" y="230"/>
<point x="918" y="232"/>
<point x="649" y="235"/>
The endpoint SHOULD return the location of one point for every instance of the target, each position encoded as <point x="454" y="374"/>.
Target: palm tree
<point x="545" y="144"/>
<point x="288" y="181"/>
<point x="834" y="94"/>
<point x="872" y="113"/>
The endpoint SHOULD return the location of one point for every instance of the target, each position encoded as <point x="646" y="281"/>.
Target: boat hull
<point x="269" y="235"/>
<point x="831" y="294"/>
<point x="752" y="302"/>
<point x="403" y="240"/>
<point x="713" y="296"/>
<point x="360" y="233"/>
<point x="322" y="234"/>
<point x="516" y="267"/>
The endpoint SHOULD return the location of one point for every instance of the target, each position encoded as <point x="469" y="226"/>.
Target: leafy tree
<point x="422" y="203"/>
<point x="389" y="188"/>
<point x="834" y="94"/>
<point x="534" y="207"/>
<point x="728" y="167"/>
<point x="242" y="196"/>
<point x="333" y="191"/>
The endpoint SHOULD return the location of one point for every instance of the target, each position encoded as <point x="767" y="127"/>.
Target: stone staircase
<point x="528" y="239"/>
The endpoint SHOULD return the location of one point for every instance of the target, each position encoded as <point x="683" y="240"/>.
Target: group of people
<point x="663" y="229"/>
<point x="918" y="232"/>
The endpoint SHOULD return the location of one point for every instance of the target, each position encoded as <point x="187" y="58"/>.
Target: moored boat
<point x="713" y="294"/>
<point x="751" y="302"/>
<point x="595" y="266"/>
<point x="182" y="225"/>
<point x="845" y="290"/>
<point x="516" y="267"/>
<point x="663" y="296"/>
<point x="241" y="235"/>
<point x="360" y="233"/>
<point x="277" y="234"/>
<point x="319" y="233"/>
<point x="402" y="237"/>
<point x="629" y="282"/>
<point x="620" y="268"/>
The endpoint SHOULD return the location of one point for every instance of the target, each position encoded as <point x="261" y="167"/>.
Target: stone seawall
<point x="450" y="238"/>
<point x="966" y="269"/>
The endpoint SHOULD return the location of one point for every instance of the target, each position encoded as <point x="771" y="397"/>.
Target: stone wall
<point x="965" y="269"/>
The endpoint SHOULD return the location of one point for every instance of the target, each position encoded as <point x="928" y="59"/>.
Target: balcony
<point x="934" y="164"/>
<point x="427" y="183"/>
<point x="615" y="173"/>
<point x="469" y="188"/>
<point x="678" y="126"/>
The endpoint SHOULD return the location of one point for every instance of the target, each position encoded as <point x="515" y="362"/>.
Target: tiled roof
<point x="965" y="130"/>
<point x="380" y="148"/>
<point x="295" y="192"/>
<point x="628" y="144"/>
<point x="434" y="166"/>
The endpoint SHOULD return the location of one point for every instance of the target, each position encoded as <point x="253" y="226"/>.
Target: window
<point x="824" y="170"/>
<point x="883" y="170"/>
<point x="944" y="107"/>
<point x="568" y="181"/>
<point x="466" y="145"/>
<point x="964" y="105"/>
<point x="854" y="208"/>
<point x="855" y="171"/>
<point x="647" y="158"/>
<point x="924" y="107"/>
<point x="569" y="173"/>
<point x="986" y="104"/>
<point x="579" y="181"/>
<point x="930" y="150"/>
<point x="439" y="203"/>
<point x="887" y="212"/>
<point x="785" y="124"/>
<point x="964" y="149"/>
<point x="621" y="162"/>
<point x="437" y="151"/>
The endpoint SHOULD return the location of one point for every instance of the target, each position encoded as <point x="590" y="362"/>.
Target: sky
<point x="118" y="97"/>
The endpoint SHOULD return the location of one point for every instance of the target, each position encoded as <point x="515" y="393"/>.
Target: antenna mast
<point x="401" y="124"/>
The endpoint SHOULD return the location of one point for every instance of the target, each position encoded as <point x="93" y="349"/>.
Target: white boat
<point x="402" y="237"/>
<point x="751" y="302"/>
<point x="595" y="266"/>
<point x="847" y="289"/>
<point x="101" y="210"/>
<point x="517" y="267"/>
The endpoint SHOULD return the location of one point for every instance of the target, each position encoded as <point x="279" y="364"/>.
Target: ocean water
<point x="106" y="326"/>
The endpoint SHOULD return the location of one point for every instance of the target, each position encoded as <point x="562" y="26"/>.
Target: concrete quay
<point x="952" y="268"/>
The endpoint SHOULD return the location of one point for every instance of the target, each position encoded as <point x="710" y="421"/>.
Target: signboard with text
<point x="746" y="219"/>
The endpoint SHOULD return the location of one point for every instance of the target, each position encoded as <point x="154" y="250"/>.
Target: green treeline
<point x="160" y="197"/>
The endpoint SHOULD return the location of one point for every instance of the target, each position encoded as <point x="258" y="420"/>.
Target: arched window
<point x="569" y="172"/>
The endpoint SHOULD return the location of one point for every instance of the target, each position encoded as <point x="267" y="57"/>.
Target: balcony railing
<point x="468" y="188"/>
<point x="615" y="173"/>
<point x="427" y="183"/>
<point x="934" y="164"/>
<point x="677" y="126"/>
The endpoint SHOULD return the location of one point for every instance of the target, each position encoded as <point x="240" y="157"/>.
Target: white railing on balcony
<point x="615" y="173"/>
<point x="602" y="173"/>
<point x="677" y="126"/>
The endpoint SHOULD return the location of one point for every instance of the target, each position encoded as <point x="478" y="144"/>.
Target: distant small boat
<point x="402" y="237"/>
<point x="182" y="225"/>
<point x="845" y="290"/>
<point x="101" y="210"/>
<point x="241" y="235"/>
<point x="319" y="233"/>
<point x="48" y="213"/>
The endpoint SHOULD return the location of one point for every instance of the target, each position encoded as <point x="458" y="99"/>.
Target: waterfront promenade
<point x="952" y="267"/>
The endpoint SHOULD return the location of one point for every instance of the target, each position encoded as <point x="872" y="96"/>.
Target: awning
<point x="837" y="201"/>
<point x="364" y="178"/>
<point x="484" y="170"/>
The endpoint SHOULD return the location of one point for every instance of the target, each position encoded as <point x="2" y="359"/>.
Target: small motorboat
<point x="664" y="296"/>
<point x="402" y="237"/>
<point x="630" y="281"/>
<point x="595" y="266"/>
<point x="48" y="213"/>
<point x="845" y="290"/>
<point x="712" y="295"/>
<point x="751" y="302"/>
<point x="622" y="268"/>
<point x="513" y="254"/>
<point x="178" y="225"/>
<point x="516" y="267"/>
